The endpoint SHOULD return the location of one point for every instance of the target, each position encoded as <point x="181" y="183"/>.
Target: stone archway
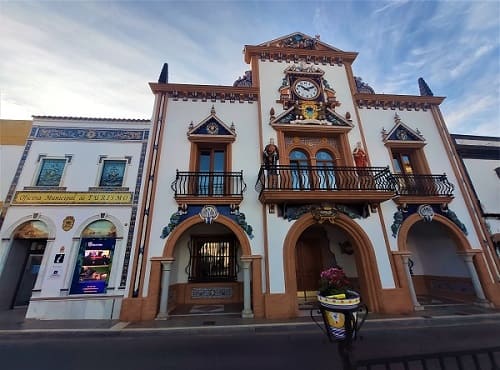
<point x="161" y="266"/>
<point x="365" y="259"/>
<point x="168" y="250"/>
<point x="473" y="258"/>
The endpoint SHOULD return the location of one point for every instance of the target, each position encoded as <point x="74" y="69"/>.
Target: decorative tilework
<point x="87" y="134"/>
<point x="133" y="216"/>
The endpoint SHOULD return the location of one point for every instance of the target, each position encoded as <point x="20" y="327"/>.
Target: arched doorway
<point x="94" y="259"/>
<point x="22" y="264"/>
<point x="318" y="248"/>
<point x="437" y="267"/>
<point x="348" y="246"/>
<point x="206" y="274"/>
<point x="160" y="295"/>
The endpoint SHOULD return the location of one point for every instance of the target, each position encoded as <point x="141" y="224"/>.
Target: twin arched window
<point x="303" y="174"/>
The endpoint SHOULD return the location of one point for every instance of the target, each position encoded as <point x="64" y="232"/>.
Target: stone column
<point x="478" y="289"/>
<point x="247" y="299"/>
<point x="411" y="288"/>
<point x="166" y="267"/>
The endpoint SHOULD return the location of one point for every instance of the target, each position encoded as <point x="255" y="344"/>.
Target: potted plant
<point x="337" y="299"/>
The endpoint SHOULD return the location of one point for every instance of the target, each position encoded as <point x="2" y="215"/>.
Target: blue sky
<point x="94" y="59"/>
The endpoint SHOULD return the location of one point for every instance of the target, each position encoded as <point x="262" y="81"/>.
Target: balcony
<point x="305" y="184"/>
<point x="412" y="188"/>
<point x="209" y="187"/>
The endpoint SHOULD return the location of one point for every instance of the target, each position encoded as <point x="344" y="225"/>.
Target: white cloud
<point x="463" y="111"/>
<point x="390" y="5"/>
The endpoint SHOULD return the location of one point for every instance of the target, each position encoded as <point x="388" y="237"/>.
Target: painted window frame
<point x="103" y="159"/>
<point x="42" y="159"/>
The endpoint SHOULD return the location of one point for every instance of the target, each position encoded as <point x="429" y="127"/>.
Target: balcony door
<point x="326" y="174"/>
<point x="212" y="168"/>
<point x="403" y="165"/>
<point x="300" y="169"/>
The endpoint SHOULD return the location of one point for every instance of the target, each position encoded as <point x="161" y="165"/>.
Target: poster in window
<point x="112" y="173"/>
<point x="93" y="266"/>
<point x="51" y="172"/>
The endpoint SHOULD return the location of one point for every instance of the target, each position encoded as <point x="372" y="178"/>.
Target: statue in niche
<point x="359" y="155"/>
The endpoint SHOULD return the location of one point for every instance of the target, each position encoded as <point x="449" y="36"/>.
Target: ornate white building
<point x="253" y="189"/>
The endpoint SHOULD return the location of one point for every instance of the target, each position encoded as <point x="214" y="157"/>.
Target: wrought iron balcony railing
<point x="209" y="184"/>
<point x="313" y="178"/>
<point x="423" y="185"/>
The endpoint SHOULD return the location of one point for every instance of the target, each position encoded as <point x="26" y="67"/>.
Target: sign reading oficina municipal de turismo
<point x="63" y="197"/>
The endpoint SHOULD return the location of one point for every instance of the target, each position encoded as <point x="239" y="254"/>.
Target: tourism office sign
<point x="68" y="197"/>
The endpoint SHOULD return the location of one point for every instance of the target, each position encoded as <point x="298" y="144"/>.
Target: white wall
<point x="434" y="252"/>
<point x="486" y="182"/>
<point x="175" y="154"/>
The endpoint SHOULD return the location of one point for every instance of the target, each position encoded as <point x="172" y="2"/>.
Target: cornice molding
<point x="279" y="54"/>
<point x="401" y="102"/>
<point x="204" y="93"/>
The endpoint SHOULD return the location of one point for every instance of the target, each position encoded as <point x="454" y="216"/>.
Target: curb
<point x="122" y="329"/>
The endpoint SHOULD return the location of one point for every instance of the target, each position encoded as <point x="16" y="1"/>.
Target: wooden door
<point x="308" y="263"/>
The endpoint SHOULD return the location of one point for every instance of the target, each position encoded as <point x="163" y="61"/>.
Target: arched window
<point x="325" y="171"/>
<point x="95" y="255"/>
<point x="300" y="169"/>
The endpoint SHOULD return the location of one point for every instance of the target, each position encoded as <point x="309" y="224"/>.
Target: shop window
<point x="212" y="259"/>
<point x="51" y="171"/>
<point x="94" y="261"/>
<point x="112" y="173"/>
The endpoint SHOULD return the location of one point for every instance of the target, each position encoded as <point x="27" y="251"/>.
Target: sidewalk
<point x="13" y="322"/>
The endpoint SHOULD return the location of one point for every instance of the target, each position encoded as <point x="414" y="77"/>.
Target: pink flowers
<point x="333" y="281"/>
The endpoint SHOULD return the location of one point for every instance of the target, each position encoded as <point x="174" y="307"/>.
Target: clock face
<point x="306" y="89"/>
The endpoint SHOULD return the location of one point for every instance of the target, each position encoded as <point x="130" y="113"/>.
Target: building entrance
<point x="29" y="274"/>
<point x="312" y="256"/>
<point x="20" y="272"/>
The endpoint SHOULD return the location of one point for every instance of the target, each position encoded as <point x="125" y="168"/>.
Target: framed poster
<point x="93" y="266"/>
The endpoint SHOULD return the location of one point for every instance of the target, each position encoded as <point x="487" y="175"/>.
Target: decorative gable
<point x="212" y="126"/>
<point x="299" y="40"/>
<point x="402" y="133"/>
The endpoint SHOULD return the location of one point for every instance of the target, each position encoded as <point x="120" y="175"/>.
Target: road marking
<point x="119" y="326"/>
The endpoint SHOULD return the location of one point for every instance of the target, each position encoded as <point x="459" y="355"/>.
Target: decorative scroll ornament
<point x="175" y="220"/>
<point x="426" y="212"/>
<point x="398" y="220"/>
<point x="209" y="214"/>
<point x="452" y="216"/>
<point x="324" y="213"/>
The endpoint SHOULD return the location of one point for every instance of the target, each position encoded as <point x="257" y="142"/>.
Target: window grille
<point x="212" y="259"/>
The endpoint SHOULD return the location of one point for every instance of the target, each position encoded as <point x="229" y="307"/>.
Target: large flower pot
<point x="340" y="315"/>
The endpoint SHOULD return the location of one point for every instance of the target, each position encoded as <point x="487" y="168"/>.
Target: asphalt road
<point x="287" y="348"/>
